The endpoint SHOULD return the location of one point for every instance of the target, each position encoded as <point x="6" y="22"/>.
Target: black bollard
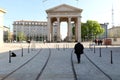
<point x="111" y="58"/>
<point x="28" y="50"/>
<point x="106" y="46"/>
<point x="100" y="52"/>
<point x="22" y="53"/>
<point x="94" y="48"/>
<point x="58" y="47"/>
<point x="9" y="56"/>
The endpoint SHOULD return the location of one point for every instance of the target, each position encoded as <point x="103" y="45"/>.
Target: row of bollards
<point x="100" y="54"/>
<point x="65" y="46"/>
<point x="12" y="54"/>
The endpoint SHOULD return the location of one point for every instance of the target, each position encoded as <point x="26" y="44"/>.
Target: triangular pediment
<point x="63" y="8"/>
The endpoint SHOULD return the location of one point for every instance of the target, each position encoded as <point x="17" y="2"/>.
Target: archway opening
<point x="63" y="30"/>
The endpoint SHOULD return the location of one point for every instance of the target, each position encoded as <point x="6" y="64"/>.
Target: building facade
<point x="32" y="30"/>
<point x="2" y="12"/>
<point x="105" y="34"/>
<point x="50" y="30"/>
<point x="114" y="32"/>
<point x="114" y="35"/>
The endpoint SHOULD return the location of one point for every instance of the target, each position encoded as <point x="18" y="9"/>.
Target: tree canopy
<point x="91" y="28"/>
<point x="21" y="36"/>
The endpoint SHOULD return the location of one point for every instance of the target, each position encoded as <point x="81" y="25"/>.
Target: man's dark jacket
<point x="78" y="48"/>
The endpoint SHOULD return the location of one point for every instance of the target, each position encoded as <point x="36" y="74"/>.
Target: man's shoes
<point x="78" y="62"/>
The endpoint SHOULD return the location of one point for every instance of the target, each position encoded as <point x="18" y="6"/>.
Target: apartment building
<point x="33" y="30"/>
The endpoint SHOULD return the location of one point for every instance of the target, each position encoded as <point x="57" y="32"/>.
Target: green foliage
<point x="73" y="30"/>
<point x="84" y="29"/>
<point x="21" y="36"/>
<point x="90" y="29"/>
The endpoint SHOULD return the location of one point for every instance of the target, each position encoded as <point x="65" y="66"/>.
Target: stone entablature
<point x="64" y="15"/>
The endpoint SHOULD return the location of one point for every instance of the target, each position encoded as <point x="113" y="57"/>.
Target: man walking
<point x="78" y="50"/>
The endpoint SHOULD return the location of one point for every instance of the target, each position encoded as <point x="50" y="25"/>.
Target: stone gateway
<point x="68" y="14"/>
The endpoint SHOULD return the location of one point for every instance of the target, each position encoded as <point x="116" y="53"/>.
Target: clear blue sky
<point x="99" y="10"/>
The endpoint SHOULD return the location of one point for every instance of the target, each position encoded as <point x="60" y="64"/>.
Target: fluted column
<point x="76" y="31"/>
<point x="79" y="28"/>
<point x="49" y="29"/>
<point x="69" y="29"/>
<point x="52" y="37"/>
<point x="58" y="29"/>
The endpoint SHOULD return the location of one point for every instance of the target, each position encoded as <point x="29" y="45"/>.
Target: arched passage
<point x="63" y="30"/>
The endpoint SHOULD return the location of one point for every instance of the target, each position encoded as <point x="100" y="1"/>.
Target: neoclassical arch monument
<point x="64" y="13"/>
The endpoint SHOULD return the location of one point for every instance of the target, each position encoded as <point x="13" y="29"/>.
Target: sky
<point x="98" y="10"/>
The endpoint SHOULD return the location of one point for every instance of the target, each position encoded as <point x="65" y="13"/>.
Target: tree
<point x="90" y="29"/>
<point x="84" y="30"/>
<point x="21" y="36"/>
<point x="9" y="36"/>
<point x="73" y="30"/>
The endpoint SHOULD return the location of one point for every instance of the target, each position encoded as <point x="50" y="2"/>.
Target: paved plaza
<point x="59" y="64"/>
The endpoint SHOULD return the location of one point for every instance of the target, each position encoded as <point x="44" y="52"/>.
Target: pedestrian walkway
<point x="59" y="65"/>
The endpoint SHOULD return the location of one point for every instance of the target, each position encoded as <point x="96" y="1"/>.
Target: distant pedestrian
<point x="96" y="41"/>
<point x="101" y="42"/>
<point x="78" y="50"/>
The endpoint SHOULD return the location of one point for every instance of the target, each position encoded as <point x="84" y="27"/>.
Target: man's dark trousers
<point x="78" y="57"/>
